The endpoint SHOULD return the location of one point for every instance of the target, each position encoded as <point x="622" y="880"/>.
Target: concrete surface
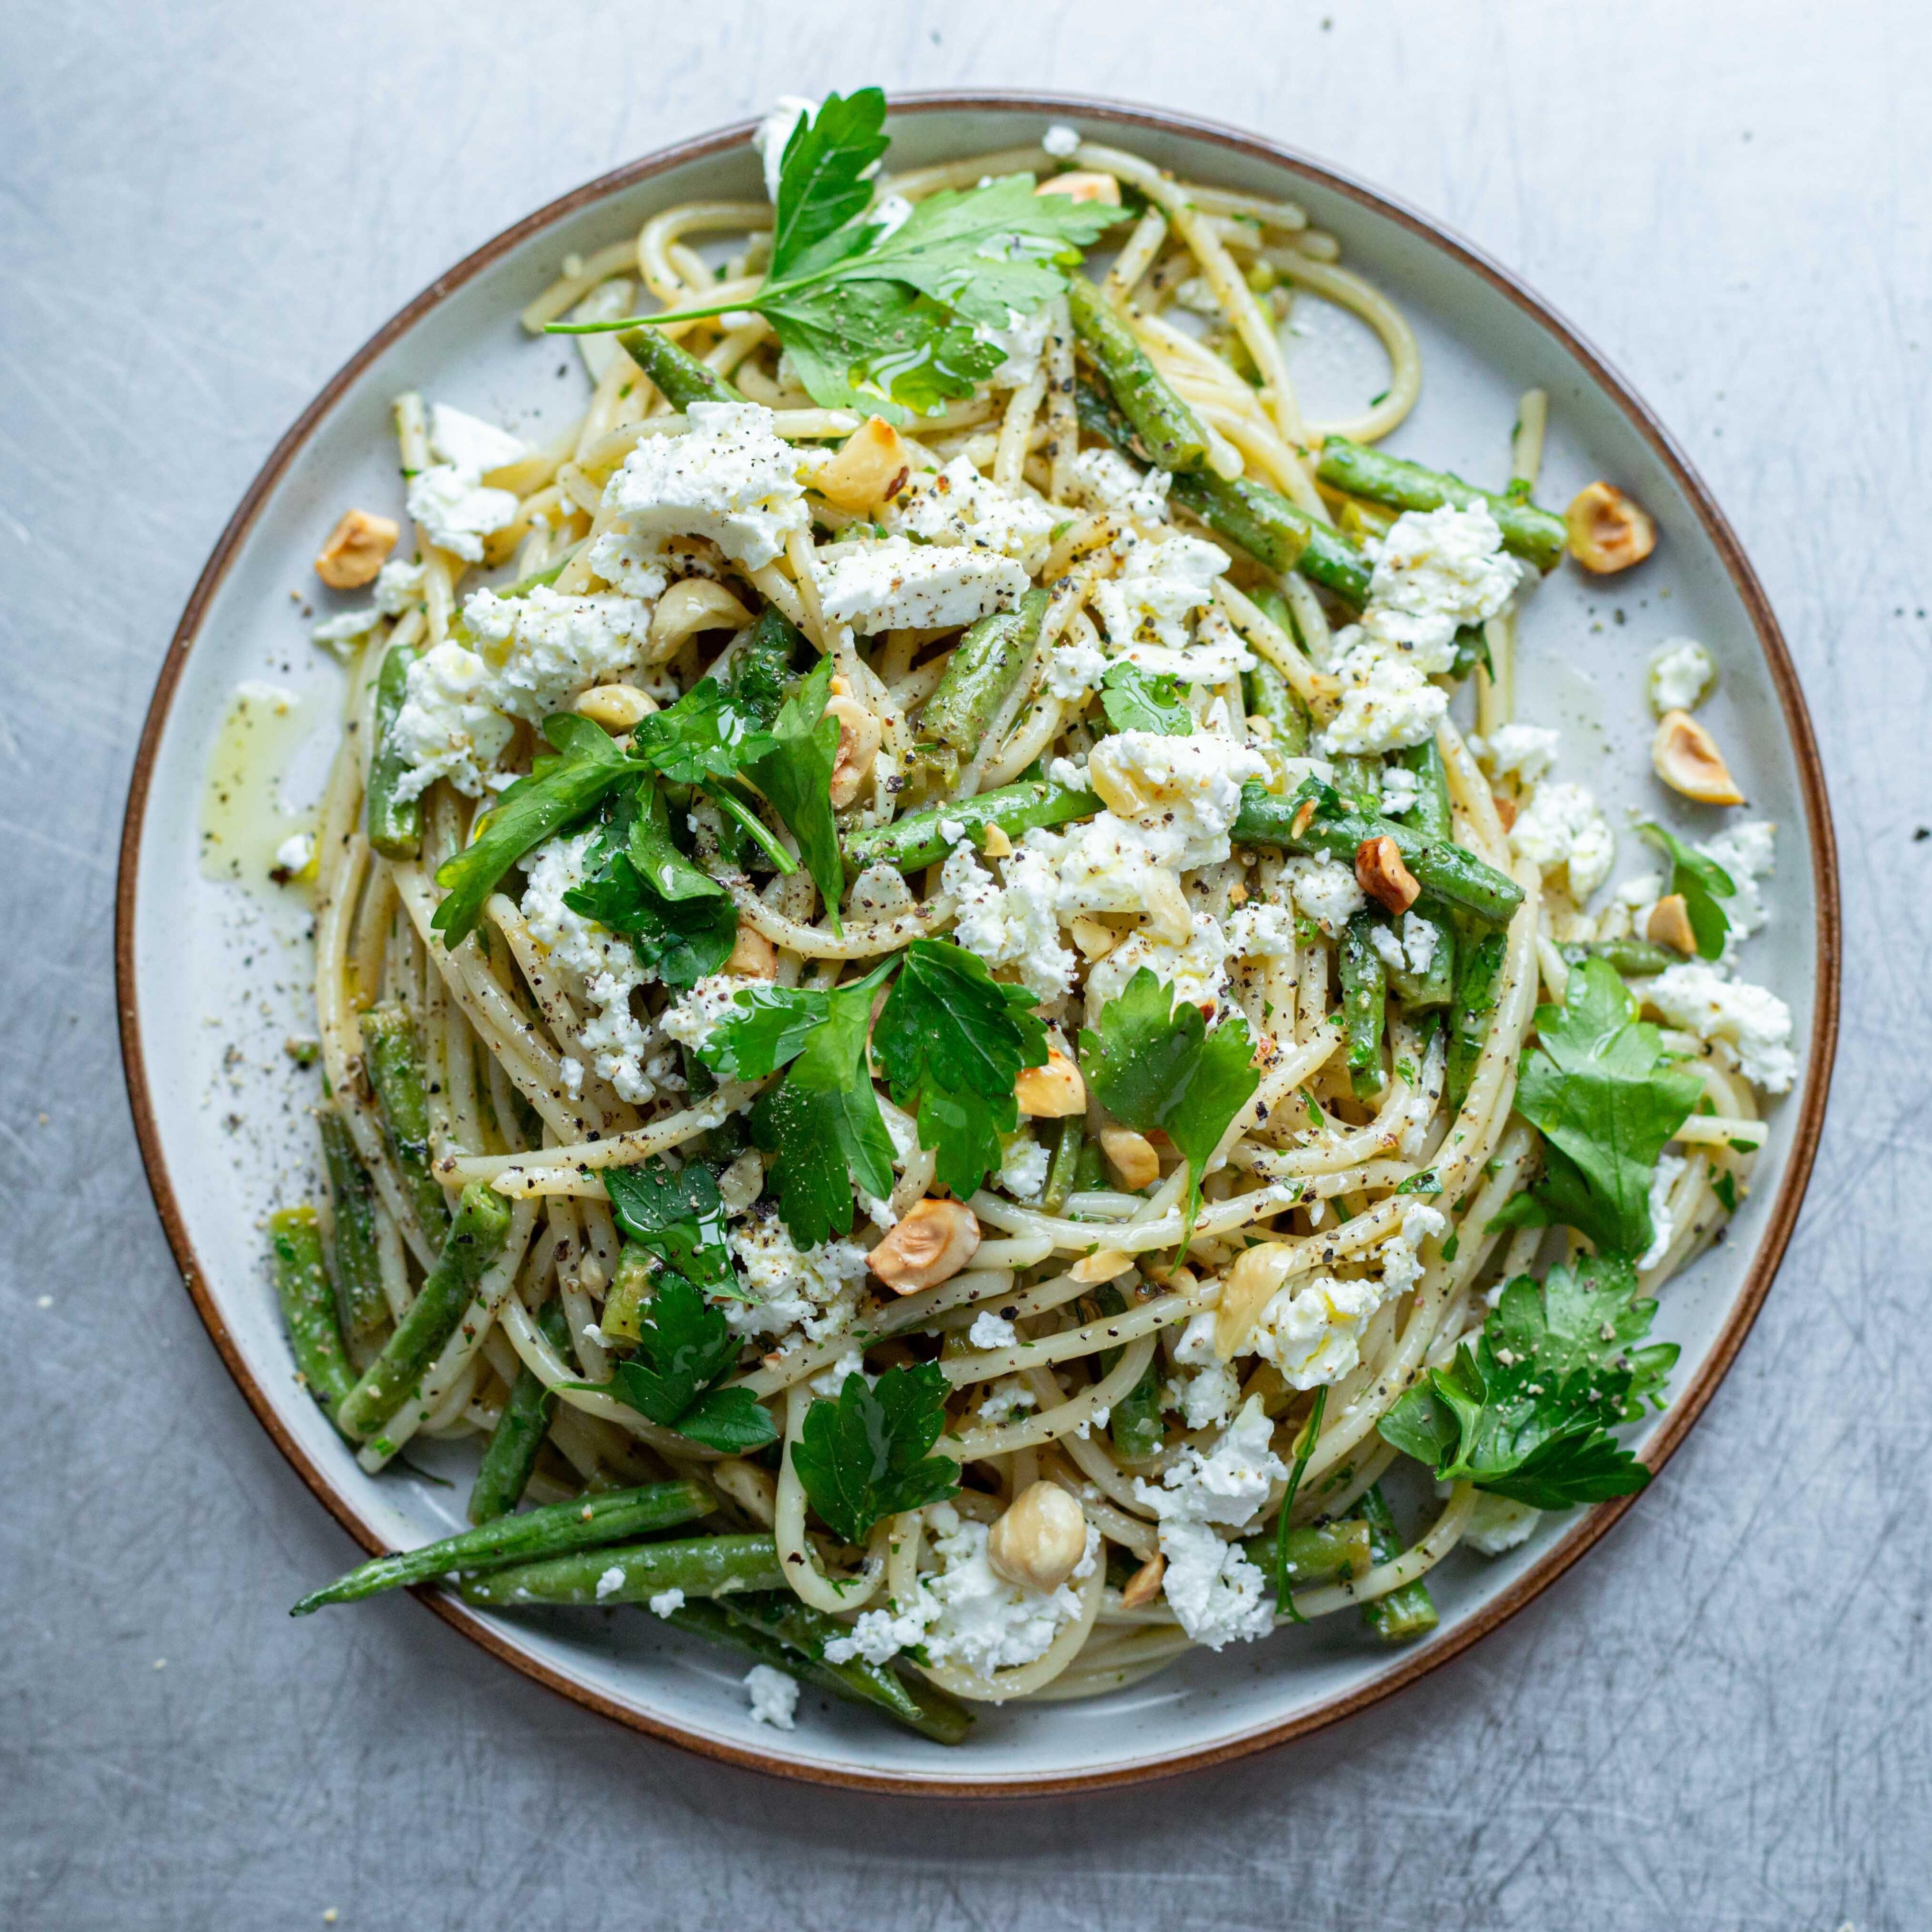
<point x="1719" y="1721"/>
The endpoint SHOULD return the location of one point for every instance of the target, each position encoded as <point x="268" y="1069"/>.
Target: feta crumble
<point x="1023" y="1167"/>
<point x="1526" y="751"/>
<point x="959" y="506"/>
<point x="1060" y="141"/>
<point x="1753" y="1024"/>
<point x="1561" y="829"/>
<point x="665" y="1601"/>
<point x="447" y="728"/>
<point x="894" y="583"/>
<point x="1681" y="675"/>
<point x="1324" y="889"/>
<point x="545" y="650"/>
<point x="609" y="1583"/>
<point x="1497" y="1524"/>
<point x="1104" y="478"/>
<point x="1013" y="923"/>
<point x="452" y="506"/>
<point x="774" y="1696"/>
<point x="1161" y="583"/>
<point x="815" y="1289"/>
<point x="990" y="1330"/>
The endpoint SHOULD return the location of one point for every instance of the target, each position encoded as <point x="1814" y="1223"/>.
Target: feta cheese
<point x="294" y="853"/>
<point x="990" y="1330"/>
<point x="447" y="728"/>
<point x="471" y="444"/>
<point x="455" y="512"/>
<point x="1060" y="141"/>
<point x="1437" y="571"/>
<point x="1496" y="1524"/>
<point x="895" y="584"/>
<point x="1662" y="1225"/>
<point x="1104" y="477"/>
<point x="665" y="1601"/>
<point x="816" y="1289"/>
<point x="397" y="585"/>
<point x="1386" y="703"/>
<point x="1408" y="949"/>
<point x="1753" y="1024"/>
<point x="1681" y="673"/>
<point x="1013" y="923"/>
<point x="774" y="1696"/>
<point x="1022" y="342"/>
<point x="1562" y="828"/>
<point x="1071" y="670"/>
<point x="878" y="1636"/>
<point x="1161" y="582"/>
<point x="691" y="1019"/>
<point x="1324" y="889"/>
<point x="1004" y="1399"/>
<point x="959" y="506"/>
<point x="1206" y="1397"/>
<point x="1526" y="750"/>
<point x="1218" y="1596"/>
<point x="1190" y="786"/>
<point x="775" y="131"/>
<point x="545" y="650"/>
<point x="1400" y="790"/>
<point x="979" y="1621"/>
<point x="601" y="966"/>
<point x="729" y="478"/>
<point x="1747" y="853"/>
<point x="1258" y="931"/>
<point x="1023" y="1168"/>
<point x="609" y="1583"/>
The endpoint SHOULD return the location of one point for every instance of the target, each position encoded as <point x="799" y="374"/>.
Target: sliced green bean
<point x="475" y="1237"/>
<point x="358" y="1266"/>
<point x="1364" y="1004"/>
<point x="308" y="1305"/>
<point x="792" y="1635"/>
<point x="1359" y="781"/>
<point x="1537" y="535"/>
<point x="1477" y="965"/>
<point x="1445" y="871"/>
<point x="393" y="1063"/>
<point x="680" y="377"/>
<point x="1065" y="1166"/>
<point x="707" y="1566"/>
<point x="1322" y="1552"/>
<point x="504" y="1473"/>
<point x="1634" y="959"/>
<point x="1403" y="1614"/>
<point x="630" y="1289"/>
<point x="1435" y="985"/>
<point x="548" y="1531"/>
<point x="1136" y="1426"/>
<point x="1269" y="695"/>
<point x="394" y="824"/>
<point x="983" y="667"/>
<point x="915" y="840"/>
<point x="1167" y="429"/>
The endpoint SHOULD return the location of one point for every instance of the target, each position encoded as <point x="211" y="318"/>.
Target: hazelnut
<point x="1608" y="530"/>
<point x="1083" y="184"/>
<point x="933" y="1242"/>
<point x="1144" y="1585"/>
<point x="1131" y="1157"/>
<point x="859" y="733"/>
<point x="1686" y="757"/>
<point x="871" y="468"/>
<point x="1380" y="873"/>
<point x="1051" y="1092"/>
<point x="1038" y="1543"/>
<point x="355" y="551"/>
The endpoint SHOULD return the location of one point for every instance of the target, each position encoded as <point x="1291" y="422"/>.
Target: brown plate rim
<point x="1684" y="1409"/>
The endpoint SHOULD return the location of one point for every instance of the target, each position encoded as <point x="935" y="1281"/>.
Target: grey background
<point x="1719" y="1720"/>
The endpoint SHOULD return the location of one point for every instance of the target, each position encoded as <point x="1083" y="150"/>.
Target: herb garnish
<point x="1134" y="700"/>
<point x="1702" y="882"/>
<point x="864" y="1456"/>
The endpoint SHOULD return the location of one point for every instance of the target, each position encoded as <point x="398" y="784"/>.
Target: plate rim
<point x="1685" y="1409"/>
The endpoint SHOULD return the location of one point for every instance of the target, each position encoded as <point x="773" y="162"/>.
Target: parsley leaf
<point x="702" y="739"/>
<point x="1153" y="1064"/>
<point x="864" y="1456"/>
<point x="1524" y="1412"/>
<point x="677" y="1214"/>
<point x="1703" y="882"/>
<point x="796" y="775"/>
<point x="1606" y="1097"/>
<point x="685" y="1347"/>
<point x="824" y="173"/>
<point x="1135" y="701"/>
<point x="951" y="1041"/>
<point x="876" y="346"/>
<point x="589" y="766"/>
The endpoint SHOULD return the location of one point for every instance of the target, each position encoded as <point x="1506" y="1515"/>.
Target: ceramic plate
<point x="214" y="976"/>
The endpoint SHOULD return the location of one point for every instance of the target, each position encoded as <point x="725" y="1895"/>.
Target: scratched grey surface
<point x="1720" y="1720"/>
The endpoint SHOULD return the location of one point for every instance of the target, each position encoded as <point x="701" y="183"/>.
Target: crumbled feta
<point x="1324" y="889"/>
<point x="398" y="585"/>
<point x="828" y="1383"/>
<point x="1400" y="789"/>
<point x="1191" y="786"/>
<point x="979" y="1621"/>
<point x="1023" y="1167"/>
<point x="470" y="443"/>
<point x="1218" y="1596"/>
<point x="774" y="1696"/>
<point x="545" y="650"/>
<point x="609" y="1583"/>
<point x="1386" y="703"/>
<point x="1408" y="949"/>
<point x="1071" y="670"/>
<point x="1662" y="1225"/>
<point x="729" y="478"/>
<point x="1060" y="141"/>
<point x="1013" y="923"/>
<point x="691" y="1019"/>
<point x="447" y="727"/>
<point x="1747" y="853"/>
<point x="772" y="133"/>
<point x="1258" y="931"/>
<point x="1004" y="1399"/>
<point x="990" y="1330"/>
<point x="601" y="965"/>
<point x="816" y="1289"/>
<point x="455" y="512"/>
<point x="1527" y="751"/>
<point x="665" y="1601"/>
<point x="1197" y="972"/>
<point x="894" y="583"/>
<point x="1497" y="1524"/>
<point x="1562" y="827"/>
<point x="881" y="892"/>
<point x="1753" y="1024"/>
<point x="878" y="1636"/>
<point x="1681" y="673"/>
<point x="959" y="506"/>
<point x="1160" y="582"/>
<point x="1206" y="1397"/>
<point x="1022" y="342"/>
<point x="1105" y="477"/>
<point x="1437" y="571"/>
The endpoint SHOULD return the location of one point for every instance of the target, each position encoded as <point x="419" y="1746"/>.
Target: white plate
<point x="213" y="978"/>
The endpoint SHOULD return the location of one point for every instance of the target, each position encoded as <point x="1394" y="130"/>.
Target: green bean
<point x="475" y="1237"/>
<point x="630" y="1289"/>
<point x="1359" y="782"/>
<point x="1445" y="871"/>
<point x="680" y="377"/>
<point x="982" y="670"/>
<point x="1136" y="1428"/>
<point x="1435" y="985"/>
<point x="707" y="1566"/>
<point x="359" y="1267"/>
<point x="1268" y="694"/>
<point x="915" y="840"/>
<point x="308" y="1305"/>
<point x="1634" y="959"/>
<point x="395" y="825"/>
<point x="395" y="1067"/>
<point x="1364" y="1001"/>
<point x="1529" y="532"/>
<point x="504" y="1473"/>
<point x="1405" y="1613"/>
<point x="1065" y="1165"/>
<point x="548" y="1531"/>
<point x="1167" y="429"/>
<point x="1091" y="1171"/>
<point x="1476" y="968"/>
<point x="777" y="1629"/>
<point x="1315" y="1552"/>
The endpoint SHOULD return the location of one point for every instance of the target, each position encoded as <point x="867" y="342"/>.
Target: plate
<point x="220" y="1109"/>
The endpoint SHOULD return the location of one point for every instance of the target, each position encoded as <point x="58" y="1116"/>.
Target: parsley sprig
<point x="678" y="1215"/>
<point x="865" y="1456"/>
<point x="882" y="314"/>
<point x="1137" y="701"/>
<point x="1527" y="1411"/>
